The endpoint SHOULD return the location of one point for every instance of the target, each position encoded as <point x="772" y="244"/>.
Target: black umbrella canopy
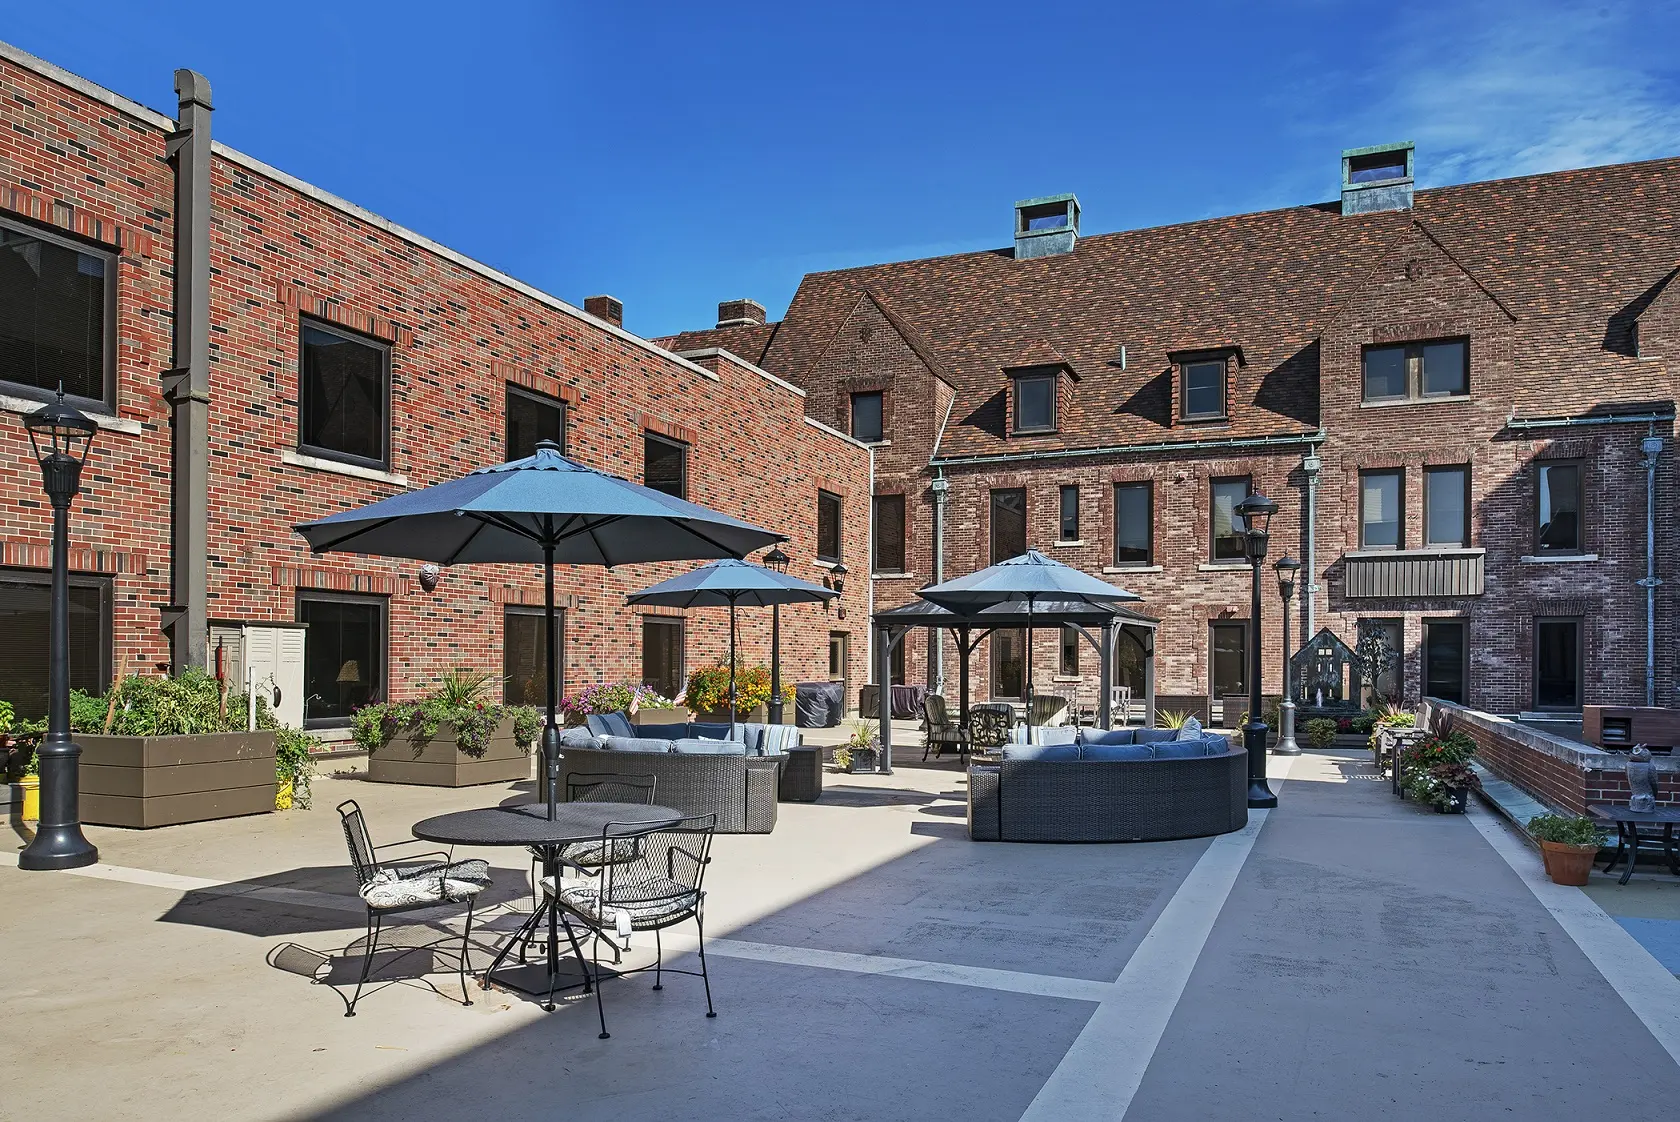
<point x="1031" y="578"/>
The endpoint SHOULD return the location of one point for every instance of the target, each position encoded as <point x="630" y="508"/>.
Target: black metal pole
<point x="775" y="664"/>
<point x="58" y="842"/>
<point x="1254" y="733"/>
<point x="551" y="727"/>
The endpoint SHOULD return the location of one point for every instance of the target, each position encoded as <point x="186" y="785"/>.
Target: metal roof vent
<point x="1377" y="178"/>
<point x="1046" y="227"/>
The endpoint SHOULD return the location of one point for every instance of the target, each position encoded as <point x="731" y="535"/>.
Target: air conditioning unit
<point x="265" y="656"/>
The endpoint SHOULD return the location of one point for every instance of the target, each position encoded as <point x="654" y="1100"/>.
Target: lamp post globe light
<point x="61" y="437"/>
<point x="776" y="561"/>
<point x="1287" y="569"/>
<point x="1256" y="512"/>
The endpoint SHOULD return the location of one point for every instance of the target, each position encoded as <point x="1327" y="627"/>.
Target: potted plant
<point x="861" y="752"/>
<point x="294" y="768"/>
<point x="620" y="697"/>
<point x="1568" y="846"/>
<point x="1436" y="771"/>
<point x="452" y="737"/>
<point x="708" y="693"/>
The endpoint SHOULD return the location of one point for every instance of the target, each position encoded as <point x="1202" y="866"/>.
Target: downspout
<point x="1652" y="447"/>
<point x="187" y="386"/>
<point x="1311" y="465"/>
<point x="936" y="636"/>
<point x="869" y="601"/>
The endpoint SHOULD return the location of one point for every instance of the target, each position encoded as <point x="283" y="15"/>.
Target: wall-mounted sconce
<point x="429" y="576"/>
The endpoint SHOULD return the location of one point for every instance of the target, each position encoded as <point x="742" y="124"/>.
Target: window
<point x="665" y="464"/>
<point x="1009" y="523"/>
<point x="1045" y="216"/>
<point x="1417" y="370"/>
<point x="25" y="607"/>
<point x="867" y="418"/>
<point x="524" y="661"/>
<point x="662" y="655"/>
<point x="1070" y="514"/>
<point x="839" y="655"/>
<point x="1388" y="681"/>
<point x="828" y="527"/>
<point x="1134" y="523"/>
<point x="1557" y="507"/>
<point x="1035" y="403"/>
<point x="889" y="534"/>
<point x="1380" y="516"/>
<point x="895" y="660"/>
<point x="1228" y="659"/>
<point x="1228" y="527"/>
<point x="1443" y="659"/>
<point x="1009" y="668"/>
<point x="343" y="394"/>
<point x="532" y="417"/>
<point x="1203" y="394"/>
<point x="1377" y="167"/>
<point x="1070" y="652"/>
<point x="57" y="316"/>
<point x="1557" y="664"/>
<point x="343" y="655"/>
<point x="1446" y="506"/>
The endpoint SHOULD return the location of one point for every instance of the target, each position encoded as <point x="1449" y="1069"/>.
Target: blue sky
<point x="675" y="155"/>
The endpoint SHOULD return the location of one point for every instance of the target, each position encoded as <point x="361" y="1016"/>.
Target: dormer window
<point x="1046" y="227"/>
<point x="1204" y="390"/>
<point x="1035" y="402"/>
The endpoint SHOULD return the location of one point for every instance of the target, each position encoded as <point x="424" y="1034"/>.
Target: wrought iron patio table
<point x="1627" y="834"/>
<point x="528" y="825"/>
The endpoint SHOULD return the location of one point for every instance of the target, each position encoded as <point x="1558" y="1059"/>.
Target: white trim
<point x="724" y="352"/>
<point x="337" y="467"/>
<point x="45" y="69"/>
<point x="1391" y="402"/>
<point x="1069" y="544"/>
<point x="1561" y="559"/>
<point x="23" y="406"/>
<point x="816" y="424"/>
<point x="821" y="564"/>
<point x="939" y="437"/>
<point x="1223" y="567"/>
<point x="892" y="576"/>
<point x="1108" y="569"/>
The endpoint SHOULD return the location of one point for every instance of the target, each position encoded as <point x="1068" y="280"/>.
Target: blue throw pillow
<point x="716" y="730"/>
<point x="1155" y="736"/>
<point x="1181" y="749"/>
<point x="1107" y="736"/>
<point x="1047" y="753"/>
<point x="662" y="732"/>
<point x="610" y="724"/>
<point x="579" y="738"/>
<point x="779" y="739"/>
<point x="751" y="734"/>
<point x="695" y="746"/>
<point x="1102" y="752"/>
<point x="1191" y="729"/>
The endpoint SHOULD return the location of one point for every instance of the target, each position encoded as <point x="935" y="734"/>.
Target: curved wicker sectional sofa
<point x="1104" y="800"/>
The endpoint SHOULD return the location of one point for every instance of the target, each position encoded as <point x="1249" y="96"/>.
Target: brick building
<point x="259" y="353"/>
<point x="1457" y="396"/>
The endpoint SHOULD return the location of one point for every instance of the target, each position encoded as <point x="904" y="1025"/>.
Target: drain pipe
<point x="1652" y="447"/>
<point x="936" y="636"/>
<point x="1311" y="465"/>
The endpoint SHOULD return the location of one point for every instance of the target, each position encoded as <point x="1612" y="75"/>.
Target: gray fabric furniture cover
<point x="818" y="705"/>
<point x="1108" y="800"/>
<point x="739" y="789"/>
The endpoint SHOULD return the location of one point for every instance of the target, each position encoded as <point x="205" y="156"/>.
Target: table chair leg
<point x="375" y="920"/>
<point x="466" y="937"/>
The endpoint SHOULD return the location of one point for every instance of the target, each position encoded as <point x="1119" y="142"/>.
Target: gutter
<point x="1521" y="424"/>
<point x="1243" y="442"/>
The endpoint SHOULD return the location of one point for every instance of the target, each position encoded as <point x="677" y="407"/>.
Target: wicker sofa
<point x="740" y="790"/>
<point x="1150" y="791"/>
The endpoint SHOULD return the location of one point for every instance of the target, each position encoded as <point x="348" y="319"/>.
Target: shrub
<point x="294" y="763"/>
<point x="1575" y="830"/>
<point x="1171" y="719"/>
<point x="457" y="701"/>
<point x="708" y="689"/>
<point x="8" y="716"/>
<point x="1321" y="732"/>
<point x="1363" y="724"/>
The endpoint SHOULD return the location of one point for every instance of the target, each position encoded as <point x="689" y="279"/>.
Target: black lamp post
<point x="777" y="561"/>
<point x="61" y="437"/>
<point x="1287" y="567"/>
<point x="1256" y="512"/>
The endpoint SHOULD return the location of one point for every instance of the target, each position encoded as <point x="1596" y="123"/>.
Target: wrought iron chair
<point x="938" y="729"/>
<point x="598" y="787"/>
<point x="660" y="888"/>
<point x="387" y="889"/>
<point x="988" y="728"/>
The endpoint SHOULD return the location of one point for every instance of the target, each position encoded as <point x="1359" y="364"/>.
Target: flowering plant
<point x="1435" y="769"/>
<point x="708" y="689"/>
<point x="458" y="701"/>
<point x="611" y="697"/>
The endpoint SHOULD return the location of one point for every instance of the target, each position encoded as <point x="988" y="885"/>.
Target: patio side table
<point x="1628" y="837"/>
<point x="802" y="775"/>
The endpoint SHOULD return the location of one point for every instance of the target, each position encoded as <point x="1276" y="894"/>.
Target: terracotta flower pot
<point x="1568" y="864"/>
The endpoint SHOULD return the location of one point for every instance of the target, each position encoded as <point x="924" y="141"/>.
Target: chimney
<point x="1046" y="227"/>
<point x="609" y="308"/>
<point x="1377" y="178"/>
<point x="740" y="313"/>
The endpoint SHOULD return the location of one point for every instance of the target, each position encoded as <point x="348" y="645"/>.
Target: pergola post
<point x="1105" y="678"/>
<point x="883" y="676"/>
<point x="1149" y="682"/>
<point x="963" y="651"/>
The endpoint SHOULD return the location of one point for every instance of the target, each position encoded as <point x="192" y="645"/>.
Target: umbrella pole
<point x="732" y="668"/>
<point x="551" y="726"/>
<point x="1030" y="733"/>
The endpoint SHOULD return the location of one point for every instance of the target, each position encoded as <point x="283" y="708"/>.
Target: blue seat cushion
<point x="751" y="733"/>
<point x="634" y="744"/>
<point x="1048" y="753"/>
<point x="663" y="732"/>
<point x="579" y="738"/>
<point x="1155" y="736"/>
<point x="695" y="746"/>
<point x="1115" y="752"/>
<point x="1187" y="749"/>
<point x="1107" y="736"/>
<point x="610" y="724"/>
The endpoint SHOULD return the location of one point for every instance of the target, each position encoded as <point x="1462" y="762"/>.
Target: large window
<point x="1380" y="512"/>
<point x="57" y="316"/>
<point x="1134" y="523"/>
<point x="1444" y="652"/>
<point x="1388" y="681"/>
<point x="343" y="394"/>
<point x="1446" y="506"/>
<point x="1009" y="667"/>
<point x="1070" y="515"/>
<point x="1417" y="370"/>
<point x="1202" y="396"/>
<point x="532" y="417"/>
<point x="662" y="655"/>
<point x="25" y="607"/>
<point x="1557" y="508"/>
<point x="828" y="527"/>
<point x="1035" y="403"/>
<point x="889" y="534"/>
<point x="1009" y="523"/>
<point x="665" y="464"/>
<point x="896" y="660"/>
<point x="524" y="661"/>
<point x="343" y="655"/>
<point x="1070" y="651"/>
<point x="1228" y="659"/>
<point x="868" y="422"/>
<point x="1228" y="526"/>
<point x="1557" y="664"/>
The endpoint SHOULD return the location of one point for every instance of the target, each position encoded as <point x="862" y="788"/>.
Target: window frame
<point x="1398" y="623"/>
<point x="1578" y="623"/>
<point x="1412" y="366"/>
<point x="529" y="611"/>
<point x="823" y="496"/>
<point x="542" y="399"/>
<point x="308" y="322"/>
<point x="1213" y="513"/>
<point x="680" y="623"/>
<point x="1399" y="477"/>
<point x="108" y="403"/>
<point x="1070" y="640"/>
<point x="1055" y="379"/>
<point x="1463" y="471"/>
<point x="323" y="595"/>
<point x="1424" y="680"/>
<point x="103" y="584"/>
<point x="1184" y="368"/>
<point x="851" y="416"/>
<point x="1540" y="468"/>
<point x="875" y="537"/>
<point x="992" y="522"/>
<point x="1148" y="488"/>
<point x="682" y="447"/>
<point x="1214" y="627"/>
<point x="1062" y="495"/>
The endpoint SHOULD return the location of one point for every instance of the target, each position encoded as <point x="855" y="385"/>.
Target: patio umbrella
<point x="731" y="582"/>
<point x="1030" y="578"/>
<point x="543" y="510"/>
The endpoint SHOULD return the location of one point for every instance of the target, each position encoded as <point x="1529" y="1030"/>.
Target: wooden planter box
<point x="721" y="717"/>
<point x="681" y="715"/>
<point x="146" y="781"/>
<point x="439" y="762"/>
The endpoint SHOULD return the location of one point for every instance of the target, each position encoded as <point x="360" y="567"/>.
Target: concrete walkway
<point x="1346" y="956"/>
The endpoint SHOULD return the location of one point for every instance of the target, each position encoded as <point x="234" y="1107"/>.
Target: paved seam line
<point x="1643" y="983"/>
<point x="1100" y="1073"/>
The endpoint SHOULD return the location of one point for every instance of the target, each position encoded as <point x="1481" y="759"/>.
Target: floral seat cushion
<point x="592" y="854"/>
<point x="661" y="900"/>
<point x="427" y="884"/>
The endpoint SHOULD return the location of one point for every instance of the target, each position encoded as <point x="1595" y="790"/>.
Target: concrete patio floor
<point x="1347" y="955"/>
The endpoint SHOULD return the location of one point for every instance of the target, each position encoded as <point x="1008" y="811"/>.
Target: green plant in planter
<point x="1321" y="732"/>
<point x="611" y="697"/>
<point x="458" y="701"/>
<point x="708" y="689"/>
<point x="863" y="736"/>
<point x="1572" y="830"/>
<point x="1389" y="717"/>
<point x="294" y="763"/>
<point x="1171" y="719"/>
